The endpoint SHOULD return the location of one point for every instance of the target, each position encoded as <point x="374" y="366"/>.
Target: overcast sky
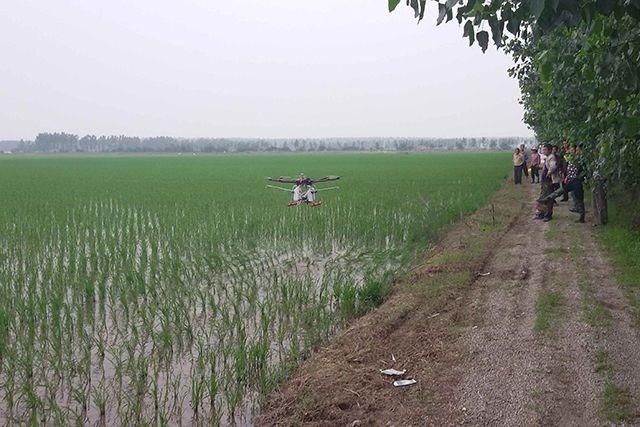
<point x="252" y="68"/>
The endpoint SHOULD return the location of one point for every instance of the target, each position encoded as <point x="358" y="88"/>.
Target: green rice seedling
<point x="198" y="388"/>
<point x="146" y="300"/>
<point x="99" y="397"/>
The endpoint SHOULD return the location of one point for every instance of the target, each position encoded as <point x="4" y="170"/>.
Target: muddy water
<point x="132" y="355"/>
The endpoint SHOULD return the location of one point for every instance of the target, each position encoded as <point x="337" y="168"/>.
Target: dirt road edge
<point x="340" y="383"/>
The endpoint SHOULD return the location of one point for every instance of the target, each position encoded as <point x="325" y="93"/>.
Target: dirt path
<point x="546" y="338"/>
<point x="517" y="375"/>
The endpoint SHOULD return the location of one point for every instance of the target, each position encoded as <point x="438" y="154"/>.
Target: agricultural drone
<point x="304" y="190"/>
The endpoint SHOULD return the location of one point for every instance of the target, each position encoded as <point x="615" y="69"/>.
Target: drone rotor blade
<point x="275" y="187"/>
<point x="328" y="188"/>
<point x="327" y="178"/>
<point x="283" y="179"/>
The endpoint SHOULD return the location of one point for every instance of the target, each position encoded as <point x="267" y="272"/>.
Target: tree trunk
<point x="600" y="212"/>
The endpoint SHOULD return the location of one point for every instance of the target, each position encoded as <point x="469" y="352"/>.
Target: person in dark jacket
<point x="574" y="181"/>
<point x="564" y="152"/>
<point x="525" y="160"/>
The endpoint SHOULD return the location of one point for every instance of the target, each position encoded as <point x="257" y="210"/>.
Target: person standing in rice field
<point x="518" y="161"/>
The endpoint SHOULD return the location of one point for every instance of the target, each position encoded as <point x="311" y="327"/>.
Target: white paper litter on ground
<point x="393" y="372"/>
<point x="484" y="274"/>
<point x="402" y="383"/>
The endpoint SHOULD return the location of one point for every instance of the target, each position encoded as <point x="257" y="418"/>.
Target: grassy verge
<point x="549" y="300"/>
<point x="461" y="256"/>
<point x="615" y="399"/>
<point x="621" y="240"/>
<point x="548" y="306"/>
<point x="594" y="313"/>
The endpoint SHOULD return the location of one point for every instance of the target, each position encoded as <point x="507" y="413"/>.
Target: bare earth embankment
<point x="546" y="338"/>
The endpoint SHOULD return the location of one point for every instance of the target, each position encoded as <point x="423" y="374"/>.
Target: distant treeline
<point x="69" y="143"/>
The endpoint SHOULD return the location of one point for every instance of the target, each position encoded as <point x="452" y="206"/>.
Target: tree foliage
<point x="582" y="83"/>
<point x="578" y="66"/>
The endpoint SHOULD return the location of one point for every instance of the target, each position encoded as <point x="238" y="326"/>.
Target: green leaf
<point x="442" y="12"/>
<point x="450" y="3"/>
<point x="545" y="70"/>
<point x="631" y="126"/>
<point x="423" y="5"/>
<point x="496" y="30"/>
<point x="542" y="57"/>
<point x="468" y="7"/>
<point x="416" y="8"/>
<point x="536" y="7"/>
<point x="469" y="31"/>
<point x="605" y="7"/>
<point x="634" y="12"/>
<point x="393" y="4"/>
<point x="587" y="72"/>
<point x="483" y="40"/>
<point x="513" y="26"/>
<point x="468" y="28"/>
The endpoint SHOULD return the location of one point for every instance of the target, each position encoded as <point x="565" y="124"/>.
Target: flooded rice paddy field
<point x="167" y="289"/>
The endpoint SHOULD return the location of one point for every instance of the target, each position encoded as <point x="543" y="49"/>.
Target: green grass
<point x="621" y="239"/>
<point x="154" y="289"/>
<point x="615" y="400"/>
<point x="547" y="310"/>
<point x="555" y="251"/>
<point x="593" y="311"/>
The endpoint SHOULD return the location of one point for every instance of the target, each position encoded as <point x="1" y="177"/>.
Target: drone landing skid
<point x="311" y="204"/>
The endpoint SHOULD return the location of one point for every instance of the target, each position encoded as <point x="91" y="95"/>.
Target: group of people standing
<point x="522" y="162"/>
<point x="559" y="170"/>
